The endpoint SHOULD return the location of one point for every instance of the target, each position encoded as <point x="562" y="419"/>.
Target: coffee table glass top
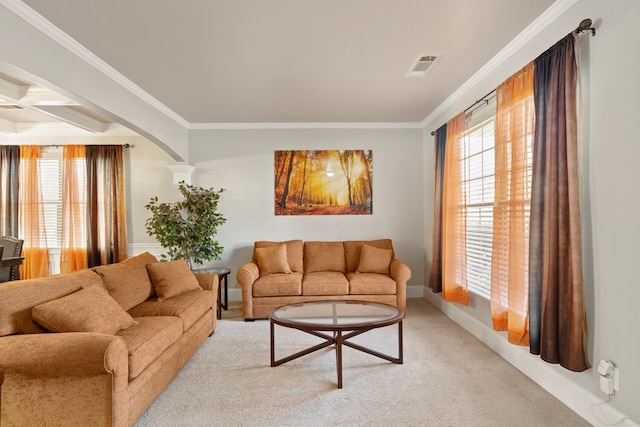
<point x="334" y="315"/>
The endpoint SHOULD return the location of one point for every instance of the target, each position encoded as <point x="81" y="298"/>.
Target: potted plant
<point x="186" y="228"/>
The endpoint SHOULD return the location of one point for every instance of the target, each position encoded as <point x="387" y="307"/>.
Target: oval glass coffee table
<point x="336" y="322"/>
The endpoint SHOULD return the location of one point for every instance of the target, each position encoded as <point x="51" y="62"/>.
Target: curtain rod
<point x="62" y="145"/>
<point x="585" y="25"/>
<point x="479" y="101"/>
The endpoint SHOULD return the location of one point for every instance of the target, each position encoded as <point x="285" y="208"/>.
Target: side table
<point x="222" y="273"/>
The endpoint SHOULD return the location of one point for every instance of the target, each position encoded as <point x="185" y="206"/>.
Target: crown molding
<point x="60" y="129"/>
<point x="309" y="125"/>
<point x="532" y="30"/>
<point x="37" y="21"/>
<point x="63" y="39"/>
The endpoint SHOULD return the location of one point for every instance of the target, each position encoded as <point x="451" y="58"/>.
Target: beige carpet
<point x="448" y="378"/>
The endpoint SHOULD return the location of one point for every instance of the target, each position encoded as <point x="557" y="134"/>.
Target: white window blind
<point x="51" y="185"/>
<point x="478" y="167"/>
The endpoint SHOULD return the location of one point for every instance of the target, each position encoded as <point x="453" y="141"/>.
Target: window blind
<point x="479" y="183"/>
<point x="51" y="185"/>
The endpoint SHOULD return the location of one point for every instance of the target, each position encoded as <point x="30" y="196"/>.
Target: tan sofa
<point x="95" y="347"/>
<point x="294" y="271"/>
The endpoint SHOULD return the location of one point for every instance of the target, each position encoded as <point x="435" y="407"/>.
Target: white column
<point x="181" y="172"/>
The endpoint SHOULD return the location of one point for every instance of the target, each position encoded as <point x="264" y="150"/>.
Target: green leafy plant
<point x="187" y="228"/>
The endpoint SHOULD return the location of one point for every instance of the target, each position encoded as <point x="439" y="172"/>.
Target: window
<point x="51" y="184"/>
<point x="51" y="173"/>
<point x="478" y="169"/>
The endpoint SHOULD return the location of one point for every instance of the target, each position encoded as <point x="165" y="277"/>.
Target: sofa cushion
<point x="324" y="256"/>
<point x="87" y="310"/>
<point x="272" y="259"/>
<point x="371" y="284"/>
<point x="189" y="306"/>
<point x="325" y="283"/>
<point x="278" y="285"/>
<point x="294" y="252"/>
<point x="18" y="297"/>
<point x="141" y="260"/>
<point x="374" y="260"/>
<point x="352" y="250"/>
<point x="149" y="339"/>
<point x="172" y="278"/>
<point x="128" y="281"/>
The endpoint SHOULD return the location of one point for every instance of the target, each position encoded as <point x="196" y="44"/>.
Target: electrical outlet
<point x="616" y="379"/>
<point x="609" y="377"/>
<point x="606" y="385"/>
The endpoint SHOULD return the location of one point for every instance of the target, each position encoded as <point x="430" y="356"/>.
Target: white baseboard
<point x="415" y="291"/>
<point x="573" y="395"/>
<point x="235" y="294"/>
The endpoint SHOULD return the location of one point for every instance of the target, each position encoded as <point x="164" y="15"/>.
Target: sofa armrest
<point x="246" y="277"/>
<point x="79" y="377"/>
<point x="64" y="354"/>
<point x="401" y="273"/>
<point x="248" y="274"/>
<point x="208" y="281"/>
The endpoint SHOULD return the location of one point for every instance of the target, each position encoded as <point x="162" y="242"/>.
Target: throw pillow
<point x="272" y="259"/>
<point x="374" y="260"/>
<point x="127" y="282"/>
<point x="324" y="256"/>
<point x="172" y="278"/>
<point x="88" y="310"/>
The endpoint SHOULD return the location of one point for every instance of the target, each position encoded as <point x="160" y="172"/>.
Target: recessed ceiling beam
<point x="7" y="126"/>
<point x="11" y="91"/>
<point x="37" y="95"/>
<point x="73" y="117"/>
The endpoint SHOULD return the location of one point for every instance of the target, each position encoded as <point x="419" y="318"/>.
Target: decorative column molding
<point x="181" y="172"/>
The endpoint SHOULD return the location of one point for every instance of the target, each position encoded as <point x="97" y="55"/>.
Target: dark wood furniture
<point x="1" y="381"/>
<point x="223" y="274"/>
<point x="10" y="258"/>
<point x="336" y="322"/>
<point x="11" y="261"/>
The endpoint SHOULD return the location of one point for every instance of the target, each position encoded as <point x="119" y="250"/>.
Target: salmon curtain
<point x="31" y="215"/>
<point x="73" y="254"/>
<point x="454" y="216"/>
<point x="557" y="310"/>
<point x="435" y="277"/>
<point x="107" y="232"/>
<point x="514" y="128"/>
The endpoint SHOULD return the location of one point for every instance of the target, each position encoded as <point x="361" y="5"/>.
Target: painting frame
<point x="323" y="182"/>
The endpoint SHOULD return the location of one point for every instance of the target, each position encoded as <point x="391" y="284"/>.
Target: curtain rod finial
<point x="585" y="25"/>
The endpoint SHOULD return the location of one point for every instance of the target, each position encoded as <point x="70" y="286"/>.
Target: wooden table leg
<point x="339" y="357"/>
<point x="219" y="303"/>
<point x="1" y="381"/>
<point x="273" y="352"/>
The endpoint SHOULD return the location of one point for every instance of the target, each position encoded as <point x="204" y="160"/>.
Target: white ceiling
<point x="288" y="61"/>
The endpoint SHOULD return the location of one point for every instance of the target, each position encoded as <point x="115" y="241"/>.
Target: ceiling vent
<point x="421" y="66"/>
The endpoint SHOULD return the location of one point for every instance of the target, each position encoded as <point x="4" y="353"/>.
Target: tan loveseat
<point x="295" y="271"/>
<point x="95" y="347"/>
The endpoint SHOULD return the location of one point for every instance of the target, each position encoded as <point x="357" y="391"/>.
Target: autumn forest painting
<point x="323" y="182"/>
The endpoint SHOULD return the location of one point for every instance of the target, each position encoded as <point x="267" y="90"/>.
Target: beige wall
<point x="242" y="162"/>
